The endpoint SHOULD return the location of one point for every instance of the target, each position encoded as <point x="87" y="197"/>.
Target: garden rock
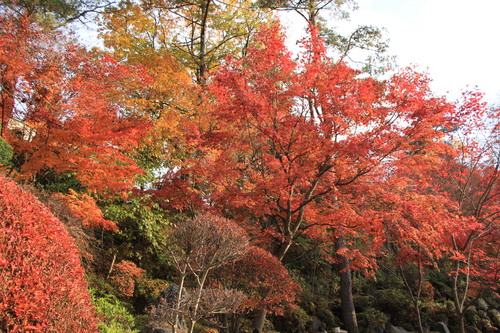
<point x="441" y="327"/>
<point x="395" y="329"/>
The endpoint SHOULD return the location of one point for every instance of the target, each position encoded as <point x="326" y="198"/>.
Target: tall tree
<point x="285" y="140"/>
<point x="472" y="180"/>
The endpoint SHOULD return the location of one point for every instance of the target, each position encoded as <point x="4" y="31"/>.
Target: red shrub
<point x="126" y="273"/>
<point x="42" y="284"/>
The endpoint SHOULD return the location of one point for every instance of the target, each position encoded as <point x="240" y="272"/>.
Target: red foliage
<point x="71" y="103"/>
<point x="289" y="143"/>
<point x="264" y="279"/>
<point x="125" y="276"/>
<point x="42" y="284"/>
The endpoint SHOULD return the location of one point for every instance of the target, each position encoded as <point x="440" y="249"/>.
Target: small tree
<point x="197" y="246"/>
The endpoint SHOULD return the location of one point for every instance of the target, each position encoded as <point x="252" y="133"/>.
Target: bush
<point x="372" y="319"/>
<point x="42" y="284"/>
<point x="5" y="152"/>
<point x="116" y="317"/>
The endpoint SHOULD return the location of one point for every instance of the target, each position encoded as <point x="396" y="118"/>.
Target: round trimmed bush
<point x="42" y="284"/>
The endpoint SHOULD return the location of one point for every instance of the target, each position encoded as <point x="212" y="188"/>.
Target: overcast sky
<point x="456" y="41"/>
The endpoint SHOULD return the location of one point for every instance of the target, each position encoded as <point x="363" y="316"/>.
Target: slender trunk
<point x="456" y="299"/>
<point x="459" y="301"/>
<point x="460" y="319"/>
<point x="7" y="100"/>
<point x="111" y="267"/>
<point x="178" y="302"/>
<point x="260" y="314"/>
<point x="235" y="323"/>
<point x="346" y="299"/>
<point x="415" y="298"/>
<point x="258" y="320"/>
<point x="194" y="312"/>
<point x="202" y="57"/>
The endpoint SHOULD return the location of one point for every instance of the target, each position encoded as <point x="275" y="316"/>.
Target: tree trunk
<point x="235" y="323"/>
<point x="258" y="320"/>
<point x="178" y="302"/>
<point x="346" y="300"/>
<point x="415" y="298"/>
<point x="7" y="99"/>
<point x="194" y="311"/>
<point x="313" y="13"/>
<point x="461" y="321"/>
<point x="202" y="66"/>
<point x="260" y="315"/>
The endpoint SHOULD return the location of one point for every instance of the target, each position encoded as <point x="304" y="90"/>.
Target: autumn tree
<point x="42" y="284"/>
<point x="471" y="180"/>
<point x="69" y="101"/>
<point x="22" y="22"/>
<point x="264" y="280"/>
<point x="288" y="137"/>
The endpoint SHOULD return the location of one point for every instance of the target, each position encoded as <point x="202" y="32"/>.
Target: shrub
<point x="5" y="152"/>
<point x="42" y="284"/>
<point x="125" y="276"/>
<point x="116" y="317"/>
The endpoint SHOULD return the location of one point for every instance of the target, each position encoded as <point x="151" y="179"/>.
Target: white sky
<point x="456" y="41"/>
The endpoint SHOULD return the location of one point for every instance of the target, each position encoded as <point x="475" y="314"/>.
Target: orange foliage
<point x="84" y="207"/>
<point x="291" y="142"/>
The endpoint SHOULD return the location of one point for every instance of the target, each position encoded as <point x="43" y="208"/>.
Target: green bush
<point x="116" y="318"/>
<point x="5" y="152"/>
<point x="372" y="319"/>
<point x="392" y="300"/>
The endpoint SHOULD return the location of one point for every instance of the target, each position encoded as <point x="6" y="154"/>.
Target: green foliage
<point x="61" y="183"/>
<point x="60" y="10"/>
<point x="372" y="318"/>
<point x="115" y="314"/>
<point x="150" y="289"/>
<point x="5" y="152"/>
<point x="142" y="225"/>
<point x="301" y="319"/>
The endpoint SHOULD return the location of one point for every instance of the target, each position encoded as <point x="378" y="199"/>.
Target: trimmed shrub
<point x="42" y="284"/>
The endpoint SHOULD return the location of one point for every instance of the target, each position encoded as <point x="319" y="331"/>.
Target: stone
<point x="495" y="316"/>
<point x="316" y="324"/>
<point x="339" y="330"/>
<point x="441" y="327"/>
<point x="481" y="304"/>
<point x="395" y="329"/>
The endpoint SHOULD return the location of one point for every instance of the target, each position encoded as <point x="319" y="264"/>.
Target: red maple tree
<point x="289" y="142"/>
<point x="70" y="102"/>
